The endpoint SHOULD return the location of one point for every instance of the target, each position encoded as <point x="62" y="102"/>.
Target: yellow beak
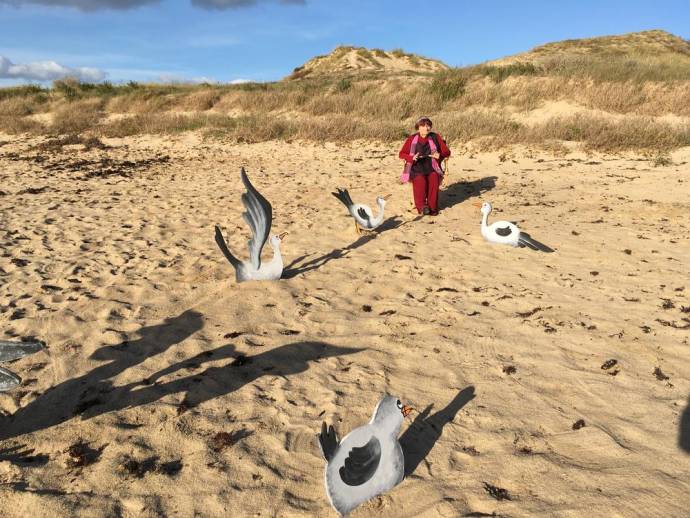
<point x="387" y="196"/>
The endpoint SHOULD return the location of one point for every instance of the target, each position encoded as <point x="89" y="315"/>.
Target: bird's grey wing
<point x="361" y="463"/>
<point x="363" y="214"/>
<point x="8" y="380"/>
<point x="12" y="350"/>
<point x="504" y="232"/>
<point x="328" y="441"/>
<point x="526" y="240"/>
<point x="259" y="216"/>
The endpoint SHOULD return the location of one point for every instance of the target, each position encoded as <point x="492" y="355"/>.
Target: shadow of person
<point x="684" y="429"/>
<point x="73" y="396"/>
<point x="421" y="436"/>
<point x="461" y="191"/>
<point x="300" y="265"/>
<point x="213" y="382"/>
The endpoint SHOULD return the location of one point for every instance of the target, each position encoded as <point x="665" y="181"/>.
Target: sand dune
<point x="169" y="390"/>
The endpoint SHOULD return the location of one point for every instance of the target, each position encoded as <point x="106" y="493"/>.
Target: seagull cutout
<point x="368" y="461"/>
<point x="362" y="214"/>
<point x="507" y="233"/>
<point x="259" y="216"/>
<point x="12" y="351"/>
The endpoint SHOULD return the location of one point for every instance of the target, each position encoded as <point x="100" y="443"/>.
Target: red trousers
<point x="425" y="191"/>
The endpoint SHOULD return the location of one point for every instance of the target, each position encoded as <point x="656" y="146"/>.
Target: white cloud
<point x="180" y="79"/>
<point x="240" y="81"/>
<point x="47" y="71"/>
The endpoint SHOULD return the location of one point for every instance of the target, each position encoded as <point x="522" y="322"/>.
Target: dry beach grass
<point x="622" y="93"/>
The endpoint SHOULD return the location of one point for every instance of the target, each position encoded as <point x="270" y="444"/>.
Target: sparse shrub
<point x="662" y="159"/>
<point x="343" y="85"/>
<point x="68" y="86"/>
<point x="449" y="84"/>
<point x="16" y="125"/>
<point x="77" y="117"/>
<point x="502" y="72"/>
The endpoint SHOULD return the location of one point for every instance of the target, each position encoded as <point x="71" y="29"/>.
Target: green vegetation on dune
<point x="469" y="103"/>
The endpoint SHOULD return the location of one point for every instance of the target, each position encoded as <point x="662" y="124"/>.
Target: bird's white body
<point x="368" y="461"/>
<point x="259" y="216"/>
<point x="269" y="271"/>
<point x="362" y="214"/>
<point x="372" y="221"/>
<point x="490" y="232"/>
<point x="507" y="233"/>
<point x="390" y="473"/>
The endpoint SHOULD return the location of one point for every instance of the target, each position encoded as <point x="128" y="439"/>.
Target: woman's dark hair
<point x="426" y="121"/>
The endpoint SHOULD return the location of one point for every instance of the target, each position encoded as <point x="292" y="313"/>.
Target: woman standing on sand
<point x="423" y="153"/>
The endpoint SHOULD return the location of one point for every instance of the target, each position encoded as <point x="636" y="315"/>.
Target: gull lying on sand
<point x="368" y="461"/>
<point x="507" y="233"/>
<point x="259" y="216"/>
<point x="362" y="214"/>
<point x="12" y="351"/>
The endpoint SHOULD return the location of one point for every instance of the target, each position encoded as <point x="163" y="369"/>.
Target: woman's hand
<point x="435" y="155"/>
<point x="415" y="157"/>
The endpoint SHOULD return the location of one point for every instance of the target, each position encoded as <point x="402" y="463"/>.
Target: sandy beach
<point x="167" y="389"/>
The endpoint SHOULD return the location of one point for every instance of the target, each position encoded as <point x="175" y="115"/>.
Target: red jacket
<point x="405" y="151"/>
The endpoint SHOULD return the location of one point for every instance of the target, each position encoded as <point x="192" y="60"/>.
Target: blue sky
<point x="263" y="40"/>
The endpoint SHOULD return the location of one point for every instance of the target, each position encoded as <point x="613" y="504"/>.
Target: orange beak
<point x="406" y="410"/>
<point x="282" y="235"/>
<point x="387" y="196"/>
<point x="477" y="204"/>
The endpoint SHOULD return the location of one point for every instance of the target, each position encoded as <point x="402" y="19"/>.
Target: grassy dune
<point x="621" y="98"/>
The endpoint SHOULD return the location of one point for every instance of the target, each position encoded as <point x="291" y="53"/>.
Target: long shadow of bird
<point x="73" y="396"/>
<point x="684" y="431"/>
<point x="421" y="436"/>
<point x="302" y="265"/>
<point x="213" y="382"/>
<point x="96" y="392"/>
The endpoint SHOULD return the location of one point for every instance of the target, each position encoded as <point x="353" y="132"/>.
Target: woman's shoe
<point x="426" y="211"/>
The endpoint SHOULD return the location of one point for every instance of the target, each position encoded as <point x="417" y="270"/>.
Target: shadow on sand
<point x="458" y="192"/>
<point x="684" y="429"/>
<point x="302" y="265"/>
<point x="421" y="436"/>
<point x="95" y="394"/>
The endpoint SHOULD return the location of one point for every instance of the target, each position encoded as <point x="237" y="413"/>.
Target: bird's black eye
<point x="399" y="404"/>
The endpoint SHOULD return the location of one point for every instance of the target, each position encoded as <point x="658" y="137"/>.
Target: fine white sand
<point x="169" y="390"/>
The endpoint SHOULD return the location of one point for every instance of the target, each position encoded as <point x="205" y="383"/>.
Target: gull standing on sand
<point x="506" y="233"/>
<point x="368" y="461"/>
<point x="12" y="351"/>
<point x="258" y="215"/>
<point x="362" y="214"/>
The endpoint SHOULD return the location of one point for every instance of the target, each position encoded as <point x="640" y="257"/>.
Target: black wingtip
<point x="526" y="240"/>
<point x="328" y="441"/>
<point x="243" y="175"/>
